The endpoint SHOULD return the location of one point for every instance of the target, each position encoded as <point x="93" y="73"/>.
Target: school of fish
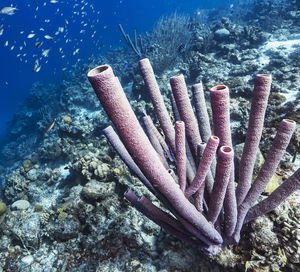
<point x="62" y="42"/>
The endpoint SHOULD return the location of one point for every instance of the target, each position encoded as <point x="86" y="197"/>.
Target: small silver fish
<point x="8" y="10"/>
<point x="50" y="126"/>
<point x="76" y="51"/>
<point x="48" y="37"/>
<point x="1" y="30"/>
<point x="45" y="53"/>
<point x="31" y="35"/>
<point x="36" y="66"/>
<point x="38" y="44"/>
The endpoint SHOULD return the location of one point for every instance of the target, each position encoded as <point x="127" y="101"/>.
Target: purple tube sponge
<point x="186" y="111"/>
<point x="224" y="166"/>
<point x="280" y="143"/>
<point x="219" y="96"/>
<point x="180" y="153"/>
<point x="279" y="195"/>
<point x="202" y="209"/>
<point x="256" y="120"/>
<point x="201" y="111"/>
<point x="158" y="102"/>
<point x="156" y="140"/>
<point x="121" y="114"/>
<point x="204" y="166"/>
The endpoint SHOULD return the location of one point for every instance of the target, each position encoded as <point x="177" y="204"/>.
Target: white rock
<point x="222" y="32"/>
<point x="26" y="261"/>
<point x="20" y="205"/>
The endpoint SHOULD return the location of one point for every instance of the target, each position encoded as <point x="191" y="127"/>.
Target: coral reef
<point x="75" y="216"/>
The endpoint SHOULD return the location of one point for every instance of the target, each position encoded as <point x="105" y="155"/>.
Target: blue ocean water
<point x="43" y="39"/>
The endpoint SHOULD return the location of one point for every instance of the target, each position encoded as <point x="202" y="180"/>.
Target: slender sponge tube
<point x="117" y="107"/>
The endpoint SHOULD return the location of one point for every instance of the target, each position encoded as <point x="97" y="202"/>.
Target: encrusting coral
<point x="205" y="209"/>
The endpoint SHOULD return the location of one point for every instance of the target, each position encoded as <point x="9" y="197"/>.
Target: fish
<point x="1" y="30"/>
<point x="50" y="126"/>
<point x="8" y="10"/>
<point x="31" y="35"/>
<point x="38" y="44"/>
<point x="182" y="48"/>
<point x="45" y="52"/>
<point x="76" y="51"/>
<point x="53" y="1"/>
<point x="36" y="66"/>
<point x="48" y="37"/>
